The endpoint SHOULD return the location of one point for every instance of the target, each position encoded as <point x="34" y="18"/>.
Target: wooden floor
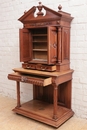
<point x="11" y="121"/>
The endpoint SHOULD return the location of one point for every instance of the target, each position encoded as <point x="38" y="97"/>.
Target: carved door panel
<point x="25" y="45"/>
<point x="52" y="45"/>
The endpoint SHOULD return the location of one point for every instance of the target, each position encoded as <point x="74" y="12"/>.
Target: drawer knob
<point x="42" y="68"/>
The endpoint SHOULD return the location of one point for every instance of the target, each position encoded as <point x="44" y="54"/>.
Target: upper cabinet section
<point x="45" y="39"/>
<point x="44" y="16"/>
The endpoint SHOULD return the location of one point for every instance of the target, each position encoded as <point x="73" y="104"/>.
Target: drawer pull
<point x="43" y="68"/>
<point x="23" y="79"/>
<point x="28" y="67"/>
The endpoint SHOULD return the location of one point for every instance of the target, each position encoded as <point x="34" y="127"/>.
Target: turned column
<point x="18" y="93"/>
<point x="55" y="95"/>
<point x="59" y="45"/>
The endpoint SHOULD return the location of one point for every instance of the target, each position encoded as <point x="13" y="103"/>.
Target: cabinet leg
<point x="55" y="102"/>
<point x="18" y="94"/>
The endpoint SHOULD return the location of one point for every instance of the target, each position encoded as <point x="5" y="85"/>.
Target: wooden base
<point x="43" y="112"/>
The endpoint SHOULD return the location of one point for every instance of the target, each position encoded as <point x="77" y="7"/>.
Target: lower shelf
<point x="43" y="112"/>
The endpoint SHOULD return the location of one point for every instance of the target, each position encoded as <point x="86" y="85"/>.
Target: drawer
<point x="33" y="79"/>
<point x="39" y="67"/>
<point x="46" y="67"/>
<point x="28" y="66"/>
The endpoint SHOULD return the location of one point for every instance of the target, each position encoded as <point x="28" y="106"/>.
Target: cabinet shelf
<point x="39" y="41"/>
<point x="43" y="112"/>
<point x="38" y="35"/>
<point x="39" y="49"/>
<point x="41" y="61"/>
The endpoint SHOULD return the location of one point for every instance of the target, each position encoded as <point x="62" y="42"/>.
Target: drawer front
<point x="46" y="67"/>
<point x="29" y="66"/>
<point x="33" y="79"/>
<point x="39" y="67"/>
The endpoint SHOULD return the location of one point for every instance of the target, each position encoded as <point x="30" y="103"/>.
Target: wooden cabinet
<point x="45" y="56"/>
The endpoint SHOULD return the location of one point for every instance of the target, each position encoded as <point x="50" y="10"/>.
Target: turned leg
<point x="18" y="94"/>
<point x="55" y="101"/>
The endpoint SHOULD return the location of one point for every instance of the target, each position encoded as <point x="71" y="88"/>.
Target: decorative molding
<point x="31" y="80"/>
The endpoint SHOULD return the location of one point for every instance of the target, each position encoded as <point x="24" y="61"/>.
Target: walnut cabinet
<point x="44" y="43"/>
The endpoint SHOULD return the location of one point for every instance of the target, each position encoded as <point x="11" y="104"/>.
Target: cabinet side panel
<point x="64" y="94"/>
<point x="65" y="44"/>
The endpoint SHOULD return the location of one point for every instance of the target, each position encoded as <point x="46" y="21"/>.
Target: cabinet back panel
<point x="39" y="45"/>
<point x="40" y="55"/>
<point x="39" y="31"/>
<point x="39" y="38"/>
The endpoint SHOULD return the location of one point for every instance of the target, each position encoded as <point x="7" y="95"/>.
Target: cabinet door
<point x="52" y="45"/>
<point x="25" y="45"/>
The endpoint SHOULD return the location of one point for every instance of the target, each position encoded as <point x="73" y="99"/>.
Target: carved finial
<point x="25" y="11"/>
<point x="40" y="4"/>
<point x="40" y="9"/>
<point x="59" y="7"/>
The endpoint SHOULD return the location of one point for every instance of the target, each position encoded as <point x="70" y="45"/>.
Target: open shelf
<point x="43" y="112"/>
<point x="40" y="55"/>
<point x="38" y="35"/>
<point x="39" y="49"/>
<point x="40" y="38"/>
<point x="39" y="44"/>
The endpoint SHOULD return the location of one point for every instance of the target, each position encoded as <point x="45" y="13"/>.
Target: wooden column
<point x="59" y="45"/>
<point x="55" y="102"/>
<point x="18" y="94"/>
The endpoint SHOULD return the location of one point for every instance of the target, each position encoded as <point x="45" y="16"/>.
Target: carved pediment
<point x="39" y="13"/>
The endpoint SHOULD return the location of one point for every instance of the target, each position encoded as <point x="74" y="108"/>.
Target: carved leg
<point x="55" y="101"/>
<point x="18" y="94"/>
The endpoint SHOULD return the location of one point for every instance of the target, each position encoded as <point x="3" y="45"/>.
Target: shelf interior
<point x="39" y="44"/>
<point x="43" y="109"/>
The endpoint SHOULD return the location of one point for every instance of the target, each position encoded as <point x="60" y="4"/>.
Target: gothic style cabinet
<point x="45" y="56"/>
